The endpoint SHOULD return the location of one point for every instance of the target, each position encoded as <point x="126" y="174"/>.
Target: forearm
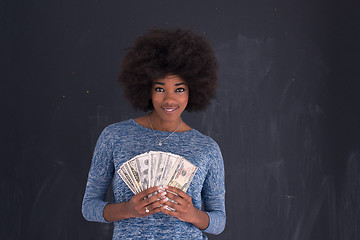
<point x="201" y="219"/>
<point x="216" y="223"/>
<point x="116" y="212"/>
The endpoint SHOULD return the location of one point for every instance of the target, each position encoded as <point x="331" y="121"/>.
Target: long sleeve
<point x="122" y="141"/>
<point x="99" y="178"/>
<point x="213" y="193"/>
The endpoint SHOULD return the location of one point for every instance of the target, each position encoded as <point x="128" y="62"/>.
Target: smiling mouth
<point x="170" y="109"/>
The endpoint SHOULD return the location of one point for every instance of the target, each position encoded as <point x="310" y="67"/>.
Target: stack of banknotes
<point x="157" y="168"/>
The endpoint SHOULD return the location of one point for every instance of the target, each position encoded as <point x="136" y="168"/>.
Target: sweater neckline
<point x="159" y="131"/>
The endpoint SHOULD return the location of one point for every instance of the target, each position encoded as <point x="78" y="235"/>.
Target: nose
<point x="169" y="99"/>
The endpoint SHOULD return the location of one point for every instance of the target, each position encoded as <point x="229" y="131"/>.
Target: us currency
<point x="134" y="174"/>
<point x="126" y="178"/>
<point x="171" y="161"/>
<point x="160" y="168"/>
<point x="183" y="175"/>
<point x="154" y="159"/>
<point x="142" y="164"/>
<point x="155" y="169"/>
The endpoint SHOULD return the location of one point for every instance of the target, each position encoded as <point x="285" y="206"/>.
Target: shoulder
<point x="119" y="126"/>
<point x="118" y="129"/>
<point x="206" y="140"/>
<point x="201" y="142"/>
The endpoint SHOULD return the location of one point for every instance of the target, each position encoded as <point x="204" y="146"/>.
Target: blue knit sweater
<point x="122" y="141"/>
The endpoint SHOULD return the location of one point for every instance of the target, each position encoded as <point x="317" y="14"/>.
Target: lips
<point x="170" y="109"/>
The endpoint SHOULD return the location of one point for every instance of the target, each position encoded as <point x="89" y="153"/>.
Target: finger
<point x="154" y="198"/>
<point x="145" y="193"/>
<point x="148" y="210"/>
<point x="176" y="198"/>
<point x="169" y="212"/>
<point x="172" y="205"/>
<point x="157" y="204"/>
<point x="178" y="191"/>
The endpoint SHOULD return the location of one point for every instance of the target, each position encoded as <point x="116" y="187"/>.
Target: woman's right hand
<point x="137" y="205"/>
<point x="146" y="202"/>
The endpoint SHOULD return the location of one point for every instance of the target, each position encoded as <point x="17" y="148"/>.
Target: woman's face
<point x="169" y="96"/>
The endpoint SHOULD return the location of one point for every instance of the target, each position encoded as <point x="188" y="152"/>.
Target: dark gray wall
<point x="286" y="115"/>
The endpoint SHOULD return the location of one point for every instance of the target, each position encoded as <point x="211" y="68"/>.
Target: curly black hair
<point x="162" y="52"/>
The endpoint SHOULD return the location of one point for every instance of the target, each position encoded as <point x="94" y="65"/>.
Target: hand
<point x="139" y="203"/>
<point x="184" y="208"/>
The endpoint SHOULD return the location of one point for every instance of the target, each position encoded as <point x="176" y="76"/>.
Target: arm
<point x="184" y="209"/>
<point x="99" y="178"/>
<point x="94" y="206"/>
<point x="213" y="219"/>
<point x="214" y="193"/>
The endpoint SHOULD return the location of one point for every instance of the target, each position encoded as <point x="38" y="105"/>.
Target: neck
<point x="159" y="124"/>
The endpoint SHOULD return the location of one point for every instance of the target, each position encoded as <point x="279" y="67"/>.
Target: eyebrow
<point x="177" y="84"/>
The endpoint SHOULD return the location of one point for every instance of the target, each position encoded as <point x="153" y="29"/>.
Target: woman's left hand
<point x="184" y="208"/>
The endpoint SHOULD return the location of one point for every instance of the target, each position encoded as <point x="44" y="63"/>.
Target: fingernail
<point x="166" y="199"/>
<point x="166" y="187"/>
<point x="163" y="194"/>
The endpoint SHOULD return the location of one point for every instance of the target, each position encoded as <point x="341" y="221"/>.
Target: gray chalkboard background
<point x="286" y="114"/>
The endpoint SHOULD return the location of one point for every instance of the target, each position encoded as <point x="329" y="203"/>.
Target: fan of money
<point x="156" y="168"/>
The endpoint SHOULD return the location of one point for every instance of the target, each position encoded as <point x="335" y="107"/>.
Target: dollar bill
<point x="171" y="161"/>
<point x="183" y="175"/>
<point x="157" y="168"/>
<point x="131" y="167"/>
<point x="142" y="163"/>
<point x="126" y="178"/>
<point x="154" y="157"/>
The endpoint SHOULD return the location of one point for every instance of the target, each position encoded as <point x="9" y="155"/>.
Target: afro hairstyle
<point x="162" y="52"/>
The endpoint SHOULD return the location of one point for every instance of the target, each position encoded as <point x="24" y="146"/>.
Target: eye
<point x="180" y="90"/>
<point x="159" y="89"/>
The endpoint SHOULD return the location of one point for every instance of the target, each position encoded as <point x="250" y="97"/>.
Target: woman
<point x="166" y="72"/>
